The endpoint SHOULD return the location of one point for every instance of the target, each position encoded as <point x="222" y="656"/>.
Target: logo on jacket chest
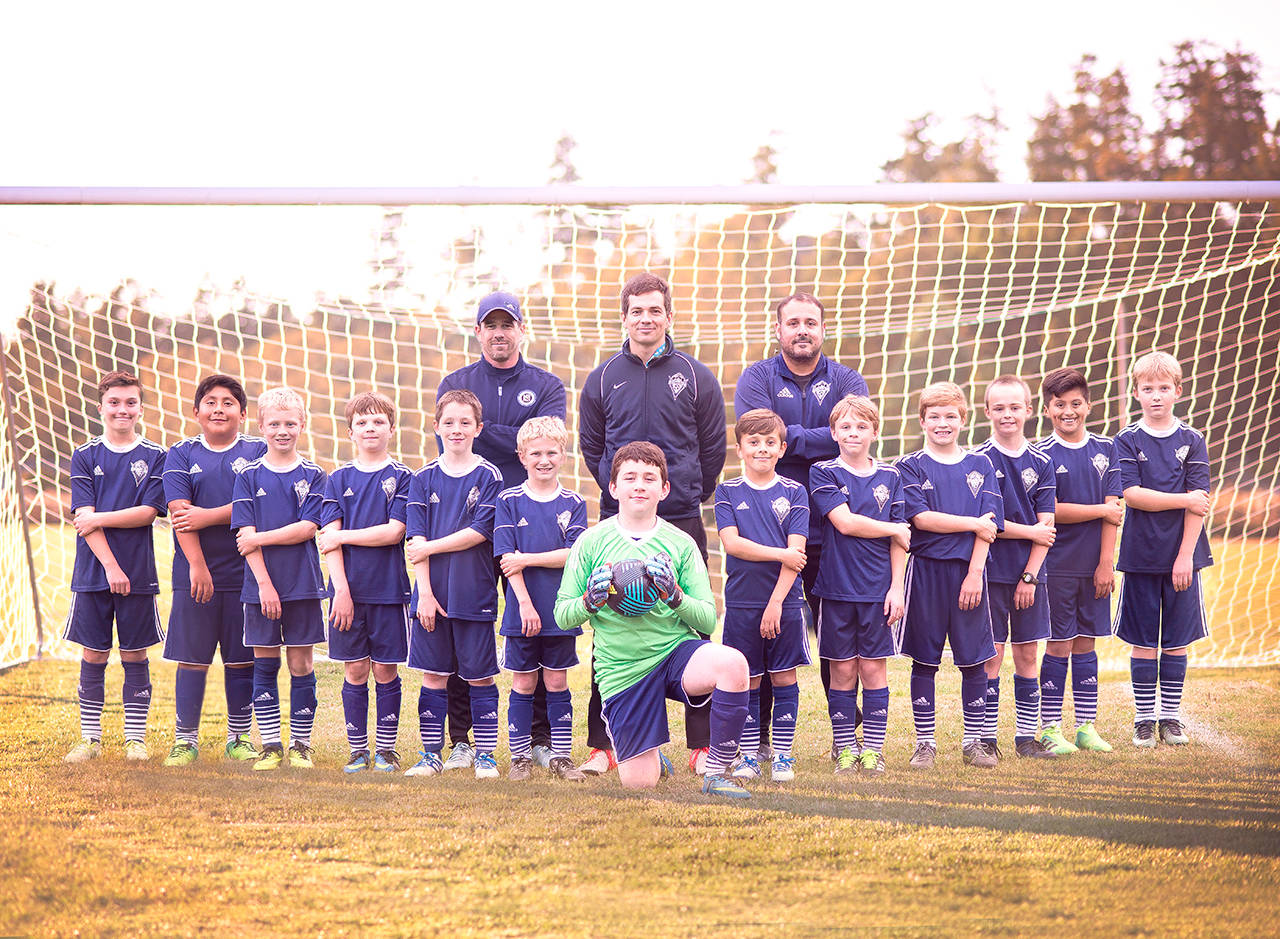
<point x="820" y="389"/>
<point x="526" y="398"/>
<point x="677" y="383"/>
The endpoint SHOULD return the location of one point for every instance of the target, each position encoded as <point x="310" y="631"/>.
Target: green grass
<point x="1176" y="841"/>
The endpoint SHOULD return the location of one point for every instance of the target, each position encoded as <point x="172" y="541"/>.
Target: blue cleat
<point x="667" y="770"/>
<point x="724" y="787"/>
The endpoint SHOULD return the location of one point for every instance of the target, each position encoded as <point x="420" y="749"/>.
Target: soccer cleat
<point x="925" y="755"/>
<point x="429" y="765"/>
<point x="542" y="755"/>
<point x="271" y="758"/>
<point x="976" y="754"/>
<point x="665" y="769"/>
<point x="386" y="761"/>
<point x="136" y="750"/>
<point x="521" y="768"/>
<point x="358" y="763"/>
<point x="871" y="762"/>
<point x="1144" y="735"/>
<point x="486" y="766"/>
<point x="835" y="751"/>
<point x="461" y="757"/>
<point x="1088" y="738"/>
<point x="1036" y="749"/>
<point x="714" y="785"/>
<point x="783" y="768"/>
<point x="764" y="756"/>
<point x="599" y="762"/>
<point x="993" y="748"/>
<point x="300" y="755"/>
<point x="1173" y="731"/>
<point x="1057" y="743"/>
<point x="182" y="754"/>
<point x="746" y="767"/>
<point x="563" y="767"/>
<point x="83" y="752"/>
<point x="846" y="762"/>
<point x="240" y="747"/>
<point x="698" y="760"/>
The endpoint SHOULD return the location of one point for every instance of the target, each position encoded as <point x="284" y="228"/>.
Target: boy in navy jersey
<point x="1081" y="563"/>
<point x="763" y="520"/>
<point x="860" y="583"/>
<point x="450" y="529"/>
<point x="116" y="493"/>
<point x="954" y="506"/>
<point x="535" y="525"/>
<point x="208" y="572"/>
<point x="1164" y="472"/>
<point x="276" y="513"/>
<point x="1015" y="566"/>
<point x="362" y="540"/>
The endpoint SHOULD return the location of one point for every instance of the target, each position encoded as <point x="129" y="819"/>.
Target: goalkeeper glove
<point x="664" y="578"/>
<point x="597" y="588"/>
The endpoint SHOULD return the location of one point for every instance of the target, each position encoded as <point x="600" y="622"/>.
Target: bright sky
<point x="662" y="93"/>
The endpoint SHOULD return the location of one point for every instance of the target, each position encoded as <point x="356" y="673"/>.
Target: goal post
<point x="338" y="290"/>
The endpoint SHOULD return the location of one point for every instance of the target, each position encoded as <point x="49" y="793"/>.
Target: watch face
<point x="1028" y="577"/>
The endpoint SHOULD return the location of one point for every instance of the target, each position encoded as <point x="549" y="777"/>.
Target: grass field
<point x="1178" y="841"/>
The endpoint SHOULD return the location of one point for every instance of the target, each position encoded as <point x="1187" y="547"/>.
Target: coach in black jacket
<point x="649" y="390"/>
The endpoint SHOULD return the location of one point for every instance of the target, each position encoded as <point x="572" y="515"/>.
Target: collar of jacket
<point x="664" y="350"/>
<point x="501" y="373"/>
<point x="819" y="369"/>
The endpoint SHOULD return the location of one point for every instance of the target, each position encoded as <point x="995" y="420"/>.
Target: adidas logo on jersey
<point x="195" y="468"/>
<point x="785" y="393"/>
<point x="1142" y="457"/>
<point x="922" y="701"/>
<point x="265" y="696"/>
<point x="97" y="471"/>
<point x="927" y="484"/>
<point x="435" y="499"/>
<point x="522" y="523"/>
<point x="261" y="491"/>
<point x="999" y="474"/>
<point x="742" y="507"/>
<point x="1062" y="469"/>
<point x="348" y="493"/>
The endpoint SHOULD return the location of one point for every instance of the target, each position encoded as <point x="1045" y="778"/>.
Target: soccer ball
<point x="632" y="592"/>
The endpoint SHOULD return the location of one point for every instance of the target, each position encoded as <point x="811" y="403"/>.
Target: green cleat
<point x="182" y="754"/>
<point x="358" y="763"/>
<point x="871" y="762"/>
<point x="240" y="747"/>
<point x="1088" y="738"/>
<point x="1056" y="742"/>
<point x="84" y="751"/>
<point x="724" y="787"/>
<point x="271" y="758"/>
<point x="846" y="761"/>
<point x="300" y="755"/>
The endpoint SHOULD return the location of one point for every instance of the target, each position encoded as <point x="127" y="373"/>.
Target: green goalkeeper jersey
<point x="627" y="648"/>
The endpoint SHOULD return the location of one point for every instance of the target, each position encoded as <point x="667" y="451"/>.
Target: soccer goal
<point x="337" y="291"/>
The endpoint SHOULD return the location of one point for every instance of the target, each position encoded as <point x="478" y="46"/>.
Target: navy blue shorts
<point x="301" y="623"/>
<point x="1074" y="610"/>
<point x="934" y="617"/>
<point x="1009" y="624"/>
<point x="197" y="630"/>
<point x="530" y="653"/>
<point x="379" y="632"/>
<point x="854" y="629"/>
<point x="789" y="649"/>
<point x="136" y="618"/>
<point x="636" y="718"/>
<point x="1155" y="616"/>
<point x="461" y="647"/>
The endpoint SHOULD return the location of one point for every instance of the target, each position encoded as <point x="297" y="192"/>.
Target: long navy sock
<point x="973" y="697"/>
<point x="1173" y="672"/>
<point x="136" y="695"/>
<point x="93" y="697"/>
<point x="239" y="691"/>
<point x="1053" y="687"/>
<point x="1143" y="673"/>
<point x="188" y="692"/>
<point x="1084" y="686"/>
<point x="728" y="714"/>
<point x="433" y="705"/>
<point x="560" y="717"/>
<point x="875" y="717"/>
<point x="1026" y="707"/>
<point x="355" y="711"/>
<point x="484" y="717"/>
<point x="387" y="698"/>
<point x="302" y="707"/>
<point x="923" y="704"/>
<point x="786" y="706"/>
<point x="520" y="724"/>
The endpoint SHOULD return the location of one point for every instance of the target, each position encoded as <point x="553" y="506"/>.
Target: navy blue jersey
<point x="508" y="398"/>
<point x="363" y="497"/>
<point x="1174" y="461"/>
<point x="1027" y="487"/>
<point x="206" y="477"/>
<point x="965" y="487"/>
<point x="767" y="515"/>
<point x="1085" y="474"/>
<point x="441" y="503"/>
<point x="805" y="407"/>
<point x="108" y="479"/>
<point x="855" y="569"/>
<point x="524" y="522"/>
<point x="267" y="498"/>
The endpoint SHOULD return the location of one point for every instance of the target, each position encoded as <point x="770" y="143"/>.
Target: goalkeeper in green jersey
<point x="640" y="661"/>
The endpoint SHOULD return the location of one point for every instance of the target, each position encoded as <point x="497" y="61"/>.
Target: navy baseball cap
<point x="501" y="300"/>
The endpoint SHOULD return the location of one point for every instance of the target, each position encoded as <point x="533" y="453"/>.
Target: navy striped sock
<point x="728" y="714"/>
<point x="355" y="711"/>
<point x="1173" y="673"/>
<point x="484" y="717"/>
<point x="923" y="703"/>
<point x="751" y="726"/>
<point x="92" y="691"/>
<point x="1053" y="688"/>
<point x="238" y="682"/>
<point x="302" y="707"/>
<point x="1084" y="686"/>
<point x="842" y="706"/>
<point x="1026" y="707"/>
<point x="1143" y="673"/>
<point x="188" y="693"/>
<point x="991" y="717"/>
<point x="136" y="695"/>
<point x="387" y="696"/>
<point x="520" y="723"/>
<point x="974" y="689"/>
<point x="266" y="698"/>
<point x="786" y="705"/>
<point x="560" y="717"/>
<point x="875" y="717"/>
<point x="433" y="705"/>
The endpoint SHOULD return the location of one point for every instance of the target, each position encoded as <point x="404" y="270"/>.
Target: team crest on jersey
<point x="562" y="519"/>
<point x="389" y="487"/>
<point x="1029" y="478"/>
<point x="1101" y="463"/>
<point x="881" y="495"/>
<point x="139" y="470"/>
<point x="302" y="489"/>
<point x="677" y="383"/>
<point x="1181" y="454"/>
<point x="780" y="508"/>
<point x="974" y="479"/>
<point x="472" y="498"/>
<point x="526" y="398"/>
<point x="238" y="465"/>
<point x="820" y="389"/>
<point x="785" y="393"/>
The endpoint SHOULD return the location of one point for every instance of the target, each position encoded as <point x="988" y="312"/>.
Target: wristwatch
<point x="1027" y="577"/>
